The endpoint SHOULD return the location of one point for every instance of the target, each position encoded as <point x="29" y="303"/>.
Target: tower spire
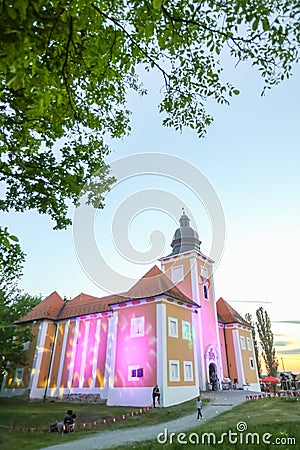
<point x="185" y="237"/>
<point x="184" y="221"/>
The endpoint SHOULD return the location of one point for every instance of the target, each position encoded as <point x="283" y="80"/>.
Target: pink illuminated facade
<point x="168" y="329"/>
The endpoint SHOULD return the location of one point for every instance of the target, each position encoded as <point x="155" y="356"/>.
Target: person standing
<point x="156" y="393"/>
<point x="199" y="408"/>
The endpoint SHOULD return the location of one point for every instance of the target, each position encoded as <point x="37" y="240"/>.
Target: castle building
<point x="167" y="329"/>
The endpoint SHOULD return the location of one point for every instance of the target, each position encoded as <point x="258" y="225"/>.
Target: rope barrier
<point x="283" y="394"/>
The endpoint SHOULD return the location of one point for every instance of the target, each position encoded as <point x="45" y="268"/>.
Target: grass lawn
<point x="39" y="414"/>
<point x="279" y="418"/>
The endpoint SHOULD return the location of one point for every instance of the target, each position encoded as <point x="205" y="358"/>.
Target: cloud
<point x="295" y="351"/>
<point x="294" y="322"/>
<point x="282" y="343"/>
<point x="257" y="302"/>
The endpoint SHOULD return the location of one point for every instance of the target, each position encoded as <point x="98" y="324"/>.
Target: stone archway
<point x="212" y="367"/>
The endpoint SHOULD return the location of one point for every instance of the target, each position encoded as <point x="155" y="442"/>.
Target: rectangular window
<point x="251" y="361"/>
<point x="173" y="327"/>
<point x="137" y="326"/>
<point x="177" y="274"/>
<point x="204" y="272"/>
<point x="186" y="330"/>
<point x="249" y="343"/>
<point x="243" y="343"/>
<point x="140" y="373"/>
<point x="135" y="373"/>
<point x="188" y="371"/>
<point x="205" y="292"/>
<point x="174" y="370"/>
<point x="18" y="379"/>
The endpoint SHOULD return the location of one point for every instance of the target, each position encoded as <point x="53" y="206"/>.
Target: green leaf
<point x="255" y="24"/>
<point x="13" y="238"/>
<point x="5" y="242"/>
<point x="157" y="4"/>
<point x="265" y="24"/>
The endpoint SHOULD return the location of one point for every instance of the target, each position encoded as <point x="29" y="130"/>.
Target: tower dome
<point x="185" y="237"/>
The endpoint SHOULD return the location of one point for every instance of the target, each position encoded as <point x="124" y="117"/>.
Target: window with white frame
<point x="174" y="370"/>
<point x="173" y="327"/>
<point x="186" y="330"/>
<point x="249" y="343"/>
<point x="135" y="373"/>
<point x="177" y="274"/>
<point x="251" y="362"/>
<point x="188" y="371"/>
<point x="243" y="343"/>
<point x="204" y="272"/>
<point x="137" y="326"/>
<point x="18" y="379"/>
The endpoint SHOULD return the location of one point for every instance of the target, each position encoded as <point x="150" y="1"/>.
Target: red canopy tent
<point x="270" y="379"/>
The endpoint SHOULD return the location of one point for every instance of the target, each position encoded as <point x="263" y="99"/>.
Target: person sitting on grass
<point x="69" y="421"/>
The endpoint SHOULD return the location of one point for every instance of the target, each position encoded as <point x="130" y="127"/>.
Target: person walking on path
<point x="199" y="408"/>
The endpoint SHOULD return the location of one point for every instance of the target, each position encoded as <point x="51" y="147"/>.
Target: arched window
<point x="205" y="291"/>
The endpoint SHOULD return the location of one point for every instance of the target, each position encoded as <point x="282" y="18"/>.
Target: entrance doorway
<point x="213" y="378"/>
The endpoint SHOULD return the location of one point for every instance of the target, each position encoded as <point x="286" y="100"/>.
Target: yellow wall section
<point x="178" y="348"/>
<point x="249" y="374"/>
<point x="232" y="370"/>
<point x="57" y="355"/>
<point x="46" y="355"/>
<point x="30" y="354"/>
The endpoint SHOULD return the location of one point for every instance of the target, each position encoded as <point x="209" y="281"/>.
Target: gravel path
<point x="220" y="401"/>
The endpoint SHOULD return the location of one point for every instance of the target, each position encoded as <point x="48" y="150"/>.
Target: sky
<point x="249" y="159"/>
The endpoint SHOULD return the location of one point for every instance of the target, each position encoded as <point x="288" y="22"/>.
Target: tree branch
<point x="63" y="70"/>
<point x="205" y="27"/>
<point x="134" y="42"/>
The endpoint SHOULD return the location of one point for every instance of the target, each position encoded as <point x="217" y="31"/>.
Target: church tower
<point x="192" y="272"/>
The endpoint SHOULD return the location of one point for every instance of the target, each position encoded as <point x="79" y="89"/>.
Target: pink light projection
<point x="68" y="355"/>
<point x="209" y="322"/>
<point x="92" y="347"/>
<point x="139" y="351"/>
<point x="79" y="356"/>
<point x="101" y="352"/>
<point x="90" y="353"/>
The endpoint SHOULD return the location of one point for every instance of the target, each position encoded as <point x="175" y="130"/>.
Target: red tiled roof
<point x="85" y="304"/>
<point x="227" y="314"/>
<point x="46" y="309"/>
<point x="153" y="283"/>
